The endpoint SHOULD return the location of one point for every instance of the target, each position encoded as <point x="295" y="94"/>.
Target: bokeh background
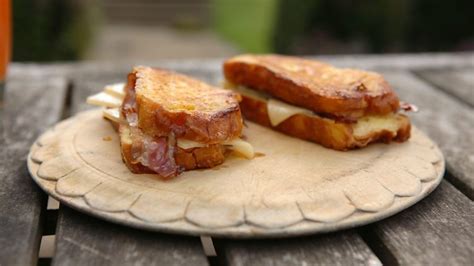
<point x="114" y="30"/>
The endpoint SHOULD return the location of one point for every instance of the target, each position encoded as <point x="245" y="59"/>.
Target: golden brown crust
<point x="322" y="88"/>
<point x="203" y="157"/>
<point x="168" y="102"/>
<point x="327" y="132"/>
<point x="187" y="159"/>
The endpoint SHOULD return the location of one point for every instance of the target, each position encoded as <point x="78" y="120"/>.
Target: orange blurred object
<point x="5" y="37"/>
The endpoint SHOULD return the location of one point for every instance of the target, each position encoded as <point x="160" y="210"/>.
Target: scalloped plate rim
<point x="127" y="219"/>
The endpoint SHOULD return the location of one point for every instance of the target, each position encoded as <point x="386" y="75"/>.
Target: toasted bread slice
<point x="342" y="93"/>
<point x="328" y="132"/>
<point x="162" y="102"/>
<point x="184" y="159"/>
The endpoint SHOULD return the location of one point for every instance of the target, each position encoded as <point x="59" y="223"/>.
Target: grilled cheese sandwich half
<point x="274" y="102"/>
<point x="169" y="154"/>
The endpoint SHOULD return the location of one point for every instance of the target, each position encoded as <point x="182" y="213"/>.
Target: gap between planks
<point x="208" y="246"/>
<point x="456" y="82"/>
<point x="464" y="106"/>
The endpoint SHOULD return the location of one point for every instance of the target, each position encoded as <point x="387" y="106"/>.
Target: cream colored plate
<point x="296" y="188"/>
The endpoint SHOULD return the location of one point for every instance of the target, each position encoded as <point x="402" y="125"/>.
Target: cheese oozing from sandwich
<point x="112" y="97"/>
<point x="279" y="111"/>
<point x="113" y="114"/>
<point x="116" y="90"/>
<point x="104" y="99"/>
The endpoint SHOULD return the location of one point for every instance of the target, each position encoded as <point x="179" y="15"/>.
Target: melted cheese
<point x="279" y="111"/>
<point x="237" y="145"/>
<point x="116" y="90"/>
<point x="112" y="96"/>
<point x="246" y="91"/>
<point x="242" y="147"/>
<point x="113" y="114"/>
<point x="368" y="124"/>
<point x="189" y="144"/>
<point x="104" y="99"/>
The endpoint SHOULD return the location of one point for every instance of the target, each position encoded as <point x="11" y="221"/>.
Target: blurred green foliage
<point x="248" y="23"/>
<point x="399" y="25"/>
<point x="380" y="26"/>
<point x="46" y="30"/>
<point x="294" y="18"/>
<point x="440" y="24"/>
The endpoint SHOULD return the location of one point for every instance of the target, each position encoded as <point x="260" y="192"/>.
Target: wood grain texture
<point x="457" y="82"/>
<point x="84" y="240"/>
<point x="438" y="230"/>
<point x="344" y="248"/>
<point x="402" y="61"/>
<point x="31" y="105"/>
<point x="447" y="121"/>
<point x="191" y="66"/>
<point x="86" y="84"/>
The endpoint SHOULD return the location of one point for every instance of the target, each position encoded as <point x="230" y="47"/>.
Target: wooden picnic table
<point x="438" y="230"/>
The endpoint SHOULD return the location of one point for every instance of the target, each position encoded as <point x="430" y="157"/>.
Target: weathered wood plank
<point x="418" y="61"/>
<point x="392" y="61"/>
<point x="85" y="87"/>
<point x="31" y="105"/>
<point x="84" y="240"/>
<point x="437" y="231"/>
<point x="344" y="248"/>
<point x="403" y="61"/>
<point x="457" y="82"/>
<point x="446" y="120"/>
